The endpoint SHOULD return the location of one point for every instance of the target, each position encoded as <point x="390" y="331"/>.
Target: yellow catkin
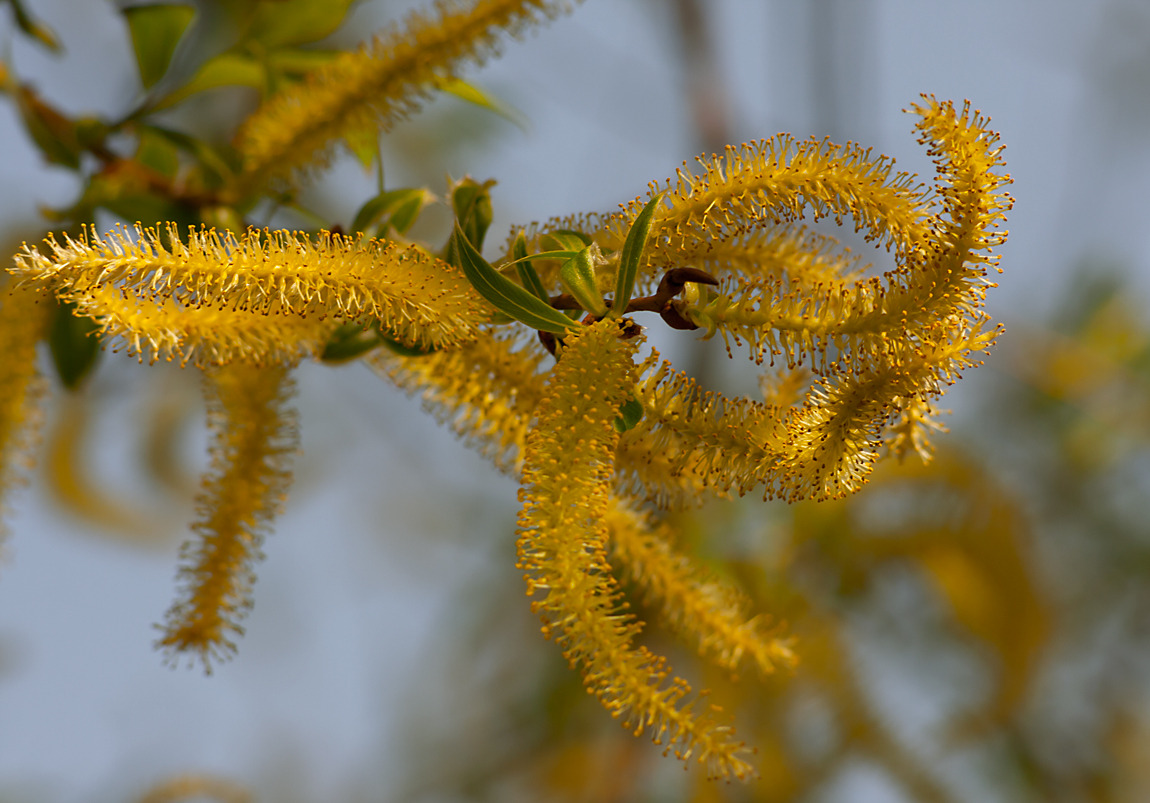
<point x="254" y="438"/>
<point x="690" y="443"/>
<point x="196" y="787"/>
<point x="23" y="318"/>
<point x="868" y="323"/>
<point x="766" y="184"/>
<point x="486" y="391"/>
<point x="382" y="82"/>
<point x="829" y="445"/>
<point x="161" y="329"/>
<point x="562" y="549"/>
<point x="418" y="299"/>
<point x="710" y="613"/>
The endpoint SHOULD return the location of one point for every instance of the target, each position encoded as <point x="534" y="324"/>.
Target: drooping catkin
<point x="23" y="318"/>
<point x="567" y="481"/>
<point x="254" y="437"/>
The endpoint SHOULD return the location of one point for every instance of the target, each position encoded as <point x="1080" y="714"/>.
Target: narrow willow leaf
<point x="396" y="347"/>
<point x="156" y="32"/>
<point x="506" y="295"/>
<point x="33" y="27"/>
<point x="565" y="240"/>
<point x="349" y="341"/>
<point x="528" y="277"/>
<point x="215" y="162"/>
<point x="226" y="69"/>
<point x="629" y="415"/>
<point x="295" y="62"/>
<point x="54" y="134"/>
<point x="578" y="276"/>
<point x="633" y="251"/>
<point x="157" y="152"/>
<point x="296" y="22"/>
<point x="74" y="344"/>
<point x="397" y="209"/>
<point x="472" y="94"/>
<point x="471" y="202"/>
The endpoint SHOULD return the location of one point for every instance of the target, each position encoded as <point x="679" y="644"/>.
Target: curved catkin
<point x="254" y="437"/>
<point x="485" y="391"/>
<point x="567" y="480"/>
<point x="23" y="318"/>
<point x="707" y="611"/>
<point x="772" y="183"/>
<point x="161" y="329"/>
<point x="420" y="300"/>
<point x="377" y="85"/>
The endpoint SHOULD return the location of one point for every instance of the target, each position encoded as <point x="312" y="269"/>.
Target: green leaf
<point x="477" y="97"/>
<point x="349" y="341"/>
<point x="528" y="277"/>
<point x="296" y="63"/>
<point x="226" y="69"/>
<point x="632" y="256"/>
<point x="157" y="152"/>
<point x="295" y="22"/>
<point x="363" y="142"/>
<point x="504" y="294"/>
<point x="396" y="347"/>
<point x="156" y="31"/>
<point x="33" y="27"/>
<point x="629" y="415"/>
<point x="397" y="209"/>
<point x="565" y="240"/>
<point x="74" y="345"/>
<point x="578" y="276"/>
<point x="54" y="134"/>
<point x="215" y="162"/>
<point x="471" y="202"/>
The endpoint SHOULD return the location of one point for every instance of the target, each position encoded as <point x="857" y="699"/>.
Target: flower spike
<point x="562" y="549"/>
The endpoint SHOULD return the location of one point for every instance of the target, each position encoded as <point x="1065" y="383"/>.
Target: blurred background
<point x="974" y="629"/>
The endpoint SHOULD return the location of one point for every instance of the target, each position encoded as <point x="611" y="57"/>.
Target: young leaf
<point x="156" y="31"/>
<point x="629" y="415"/>
<point x="578" y="276"/>
<point x="74" y="344"/>
<point x="296" y="22"/>
<point x="527" y="275"/>
<point x="471" y="202"/>
<point x="504" y="294"/>
<point x="214" y="161"/>
<point x="33" y="27"/>
<point x="565" y="240"/>
<point x="397" y="209"/>
<point x="157" y="152"/>
<point x="476" y="96"/>
<point x="54" y="134"/>
<point x="349" y="341"/>
<point x="226" y="69"/>
<point x="632" y="256"/>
